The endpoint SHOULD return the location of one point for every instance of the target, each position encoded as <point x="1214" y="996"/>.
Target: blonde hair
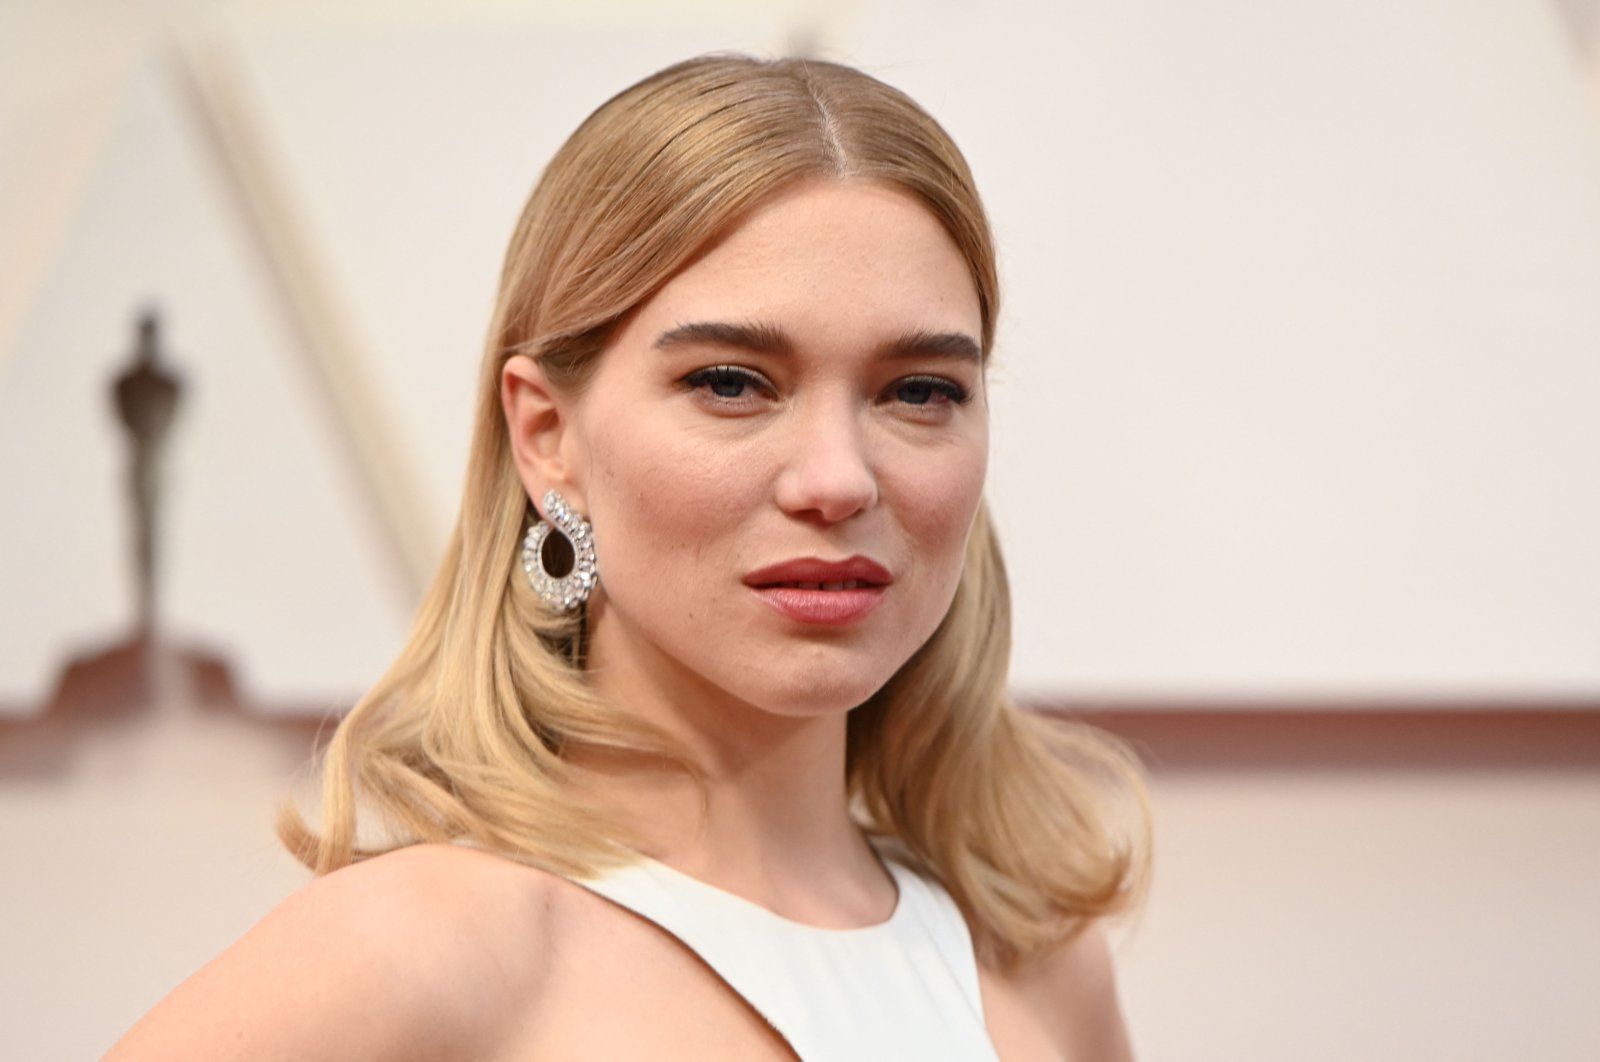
<point x="464" y="737"/>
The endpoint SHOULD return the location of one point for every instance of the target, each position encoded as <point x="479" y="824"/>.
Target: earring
<point x="565" y="592"/>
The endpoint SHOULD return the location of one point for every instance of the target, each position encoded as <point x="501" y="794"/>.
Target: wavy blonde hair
<point x="1034" y="826"/>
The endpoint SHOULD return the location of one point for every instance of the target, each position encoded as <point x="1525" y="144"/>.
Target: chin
<point x="816" y="695"/>
<point x="819" y="679"/>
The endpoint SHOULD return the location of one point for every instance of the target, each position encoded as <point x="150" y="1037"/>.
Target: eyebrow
<point x="761" y="338"/>
<point x="924" y="344"/>
<point x="752" y="336"/>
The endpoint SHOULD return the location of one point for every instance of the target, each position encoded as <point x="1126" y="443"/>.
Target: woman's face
<point x="782" y="454"/>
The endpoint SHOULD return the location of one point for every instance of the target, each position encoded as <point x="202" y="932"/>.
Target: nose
<point x="828" y="475"/>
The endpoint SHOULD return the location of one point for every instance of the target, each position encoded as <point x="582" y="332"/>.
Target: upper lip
<point x="816" y="570"/>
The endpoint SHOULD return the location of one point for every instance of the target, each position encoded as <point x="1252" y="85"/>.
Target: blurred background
<point x="1297" y="458"/>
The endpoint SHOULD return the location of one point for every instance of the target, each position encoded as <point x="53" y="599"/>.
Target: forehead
<point x="827" y="262"/>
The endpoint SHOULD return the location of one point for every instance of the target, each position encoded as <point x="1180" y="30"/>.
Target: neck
<point x="769" y="817"/>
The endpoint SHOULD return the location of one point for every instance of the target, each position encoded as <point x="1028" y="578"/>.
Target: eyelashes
<point x="736" y="386"/>
<point x="729" y="382"/>
<point x="929" y="390"/>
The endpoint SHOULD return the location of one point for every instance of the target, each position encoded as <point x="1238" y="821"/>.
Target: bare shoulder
<point x="420" y="953"/>
<point x="1067" y="999"/>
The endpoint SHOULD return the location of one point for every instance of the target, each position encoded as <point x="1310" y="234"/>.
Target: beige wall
<point x="1437" y="901"/>
<point x="1295" y="400"/>
<point x="1395" y="887"/>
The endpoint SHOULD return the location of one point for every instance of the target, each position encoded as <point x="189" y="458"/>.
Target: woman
<point x="736" y="776"/>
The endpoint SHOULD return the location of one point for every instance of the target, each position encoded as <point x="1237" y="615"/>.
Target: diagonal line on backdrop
<point x="342" y="363"/>
<point x="57" y="147"/>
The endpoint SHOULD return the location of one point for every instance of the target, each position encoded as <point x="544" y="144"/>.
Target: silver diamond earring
<point x="566" y="591"/>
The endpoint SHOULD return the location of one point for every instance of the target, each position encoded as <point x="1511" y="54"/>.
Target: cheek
<point x="660" y="503"/>
<point x="938" y="501"/>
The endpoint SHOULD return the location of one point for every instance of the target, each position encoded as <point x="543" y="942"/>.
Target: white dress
<point x="906" y="988"/>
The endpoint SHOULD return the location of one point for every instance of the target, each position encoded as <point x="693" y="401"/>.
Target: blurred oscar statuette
<point x="148" y="668"/>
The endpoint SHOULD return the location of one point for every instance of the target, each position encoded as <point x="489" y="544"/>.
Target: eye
<point x="728" y="384"/>
<point x="928" y="391"/>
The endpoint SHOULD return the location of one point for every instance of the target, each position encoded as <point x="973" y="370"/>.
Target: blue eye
<point x="726" y="382"/>
<point x="928" y="390"/>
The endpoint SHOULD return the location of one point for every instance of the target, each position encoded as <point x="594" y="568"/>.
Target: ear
<point x="540" y="426"/>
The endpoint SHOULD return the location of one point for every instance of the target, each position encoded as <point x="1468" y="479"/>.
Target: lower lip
<point x="828" y="608"/>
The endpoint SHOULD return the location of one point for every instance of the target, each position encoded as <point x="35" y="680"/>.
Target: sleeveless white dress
<point x="906" y="988"/>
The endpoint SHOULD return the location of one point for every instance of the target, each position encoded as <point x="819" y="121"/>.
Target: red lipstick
<point x="827" y="593"/>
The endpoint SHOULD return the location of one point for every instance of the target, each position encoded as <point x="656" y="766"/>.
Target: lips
<point x="827" y="593"/>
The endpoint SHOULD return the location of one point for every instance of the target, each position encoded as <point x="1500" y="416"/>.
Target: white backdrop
<point x="1295" y="397"/>
<point x="1297" y="381"/>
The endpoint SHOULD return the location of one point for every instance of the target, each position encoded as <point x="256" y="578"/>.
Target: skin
<point x="700" y="455"/>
